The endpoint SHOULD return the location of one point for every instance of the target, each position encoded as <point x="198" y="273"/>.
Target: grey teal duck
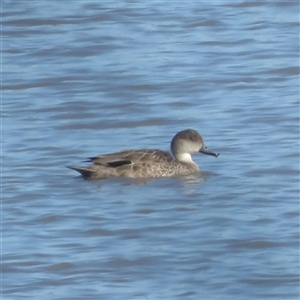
<point x="148" y="163"/>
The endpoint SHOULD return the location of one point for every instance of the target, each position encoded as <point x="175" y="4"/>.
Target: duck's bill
<point x="204" y="150"/>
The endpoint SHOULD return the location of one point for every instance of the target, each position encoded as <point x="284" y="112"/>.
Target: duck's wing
<point x="130" y="157"/>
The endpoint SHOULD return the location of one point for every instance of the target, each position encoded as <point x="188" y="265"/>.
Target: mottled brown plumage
<point x="147" y="163"/>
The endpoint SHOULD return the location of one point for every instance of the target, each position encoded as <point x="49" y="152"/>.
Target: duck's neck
<point x="185" y="157"/>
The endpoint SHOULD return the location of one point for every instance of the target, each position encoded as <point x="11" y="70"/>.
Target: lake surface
<point x="93" y="77"/>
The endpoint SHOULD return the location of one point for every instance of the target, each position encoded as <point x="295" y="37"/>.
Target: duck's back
<point x="132" y="157"/>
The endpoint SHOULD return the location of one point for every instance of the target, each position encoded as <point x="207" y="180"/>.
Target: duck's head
<point x="187" y="142"/>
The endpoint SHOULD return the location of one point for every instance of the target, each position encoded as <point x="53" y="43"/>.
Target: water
<point x="91" y="78"/>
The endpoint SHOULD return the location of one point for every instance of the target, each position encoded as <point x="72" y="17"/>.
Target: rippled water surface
<point x="94" y="77"/>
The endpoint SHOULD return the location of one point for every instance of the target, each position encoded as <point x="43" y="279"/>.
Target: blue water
<point x="97" y="77"/>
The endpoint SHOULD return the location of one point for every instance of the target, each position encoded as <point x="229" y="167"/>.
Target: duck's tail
<point x="85" y="172"/>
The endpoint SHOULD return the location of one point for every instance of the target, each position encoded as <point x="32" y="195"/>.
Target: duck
<point x="149" y="163"/>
